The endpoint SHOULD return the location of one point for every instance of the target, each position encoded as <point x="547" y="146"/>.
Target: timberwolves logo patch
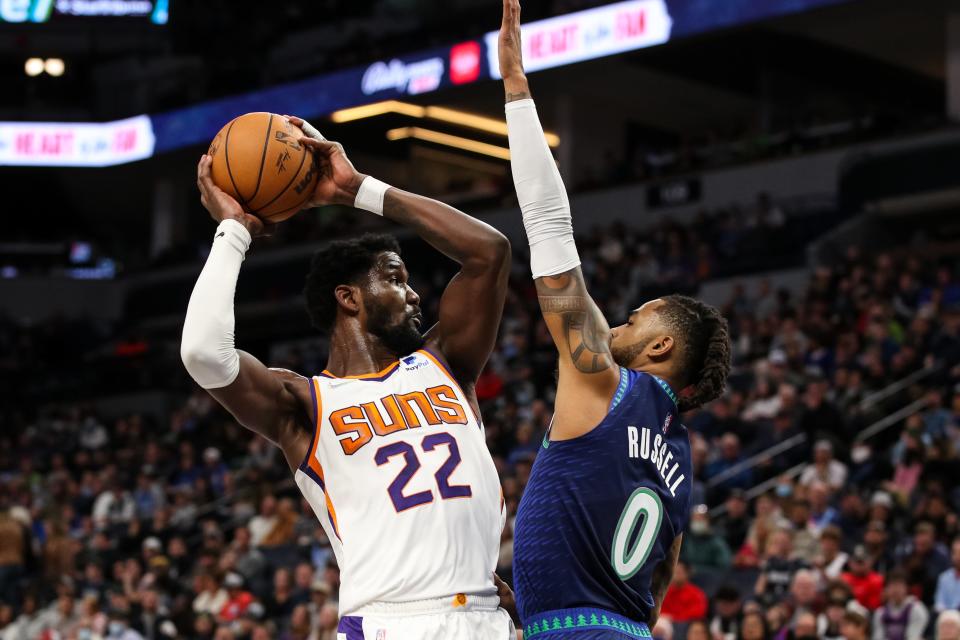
<point x="667" y="422"/>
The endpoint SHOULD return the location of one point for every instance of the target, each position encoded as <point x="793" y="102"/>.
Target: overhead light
<point x="55" y="67"/>
<point x="466" y="144"/>
<point x="33" y="66"/>
<point x="377" y="109"/>
<point x="444" y="114"/>
<point x="483" y="123"/>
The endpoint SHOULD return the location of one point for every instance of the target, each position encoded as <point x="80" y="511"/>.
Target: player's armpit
<point x="272" y="403"/>
<point x="662" y="576"/>
<point x="588" y="374"/>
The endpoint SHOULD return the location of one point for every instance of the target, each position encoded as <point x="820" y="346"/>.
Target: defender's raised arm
<point x="588" y="374"/>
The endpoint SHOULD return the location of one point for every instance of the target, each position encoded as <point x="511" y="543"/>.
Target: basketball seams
<point x="263" y="159"/>
<point x="296" y="175"/>
<point x="226" y="161"/>
<point x="270" y="216"/>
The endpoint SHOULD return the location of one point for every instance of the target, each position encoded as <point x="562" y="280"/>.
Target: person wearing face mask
<point x="702" y="548"/>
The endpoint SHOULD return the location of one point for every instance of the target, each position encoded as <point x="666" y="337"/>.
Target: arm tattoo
<point x="513" y="97"/>
<point x="584" y="327"/>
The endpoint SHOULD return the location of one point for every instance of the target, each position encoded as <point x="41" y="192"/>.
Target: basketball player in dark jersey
<point x="599" y="527"/>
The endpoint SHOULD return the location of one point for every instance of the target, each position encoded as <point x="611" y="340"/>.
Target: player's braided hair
<point x="705" y="348"/>
<point x="340" y="262"/>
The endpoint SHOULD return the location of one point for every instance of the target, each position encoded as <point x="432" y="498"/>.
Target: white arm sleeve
<point x="540" y="190"/>
<point x="207" y="347"/>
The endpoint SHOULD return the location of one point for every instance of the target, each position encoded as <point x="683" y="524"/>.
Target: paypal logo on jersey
<point x="412" y="363"/>
<point x="657" y="452"/>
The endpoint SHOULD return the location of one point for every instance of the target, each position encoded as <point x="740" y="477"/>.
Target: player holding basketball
<point x="386" y="444"/>
<point x="599" y="527"/>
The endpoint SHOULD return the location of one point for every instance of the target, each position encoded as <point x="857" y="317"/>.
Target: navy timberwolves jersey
<point x="598" y="515"/>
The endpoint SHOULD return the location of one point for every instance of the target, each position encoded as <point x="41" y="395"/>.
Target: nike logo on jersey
<point x="655" y="451"/>
<point x="358" y="424"/>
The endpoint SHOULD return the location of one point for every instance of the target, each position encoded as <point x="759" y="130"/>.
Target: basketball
<point x="258" y="159"/>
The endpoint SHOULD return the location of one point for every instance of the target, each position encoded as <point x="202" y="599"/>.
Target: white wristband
<point x="370" y="195"/>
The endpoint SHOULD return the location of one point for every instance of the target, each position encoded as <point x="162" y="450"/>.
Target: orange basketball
<point x="258" y="159"/>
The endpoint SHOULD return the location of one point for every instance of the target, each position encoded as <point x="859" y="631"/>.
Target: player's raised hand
<point x="220" y="205"/>
<point x="339" y="179"/>
<point x="509" y="49"/>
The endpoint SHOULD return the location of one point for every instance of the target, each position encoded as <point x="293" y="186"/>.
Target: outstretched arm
<point x="261" y="399"/>
<point x="472" y="304"/>
<point x="588" y="375"/>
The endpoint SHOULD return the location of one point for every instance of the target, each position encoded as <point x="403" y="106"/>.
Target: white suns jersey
<point x="401" y="479"/>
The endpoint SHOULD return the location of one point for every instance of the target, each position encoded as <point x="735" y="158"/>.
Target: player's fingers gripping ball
<point x="259" y="160"/>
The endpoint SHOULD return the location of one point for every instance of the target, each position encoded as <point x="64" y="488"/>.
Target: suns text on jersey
<point x="360" y="423"/>
<point x="642" y="444"/>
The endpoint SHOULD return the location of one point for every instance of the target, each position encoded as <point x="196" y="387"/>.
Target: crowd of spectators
<point x="186" y="526"/>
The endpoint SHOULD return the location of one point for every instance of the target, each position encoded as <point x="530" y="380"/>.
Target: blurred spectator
<point x="734" y="524"/>
<point x="725" y="623"/>
<point x="867" y="585"/>
<point x="831" y="560"/>
<point x="264" y="522"/>
<point x="211" y="597"/>
<point x="902" y="617"/>
<point x="13" y="555"/>
<point x="948" y="625"/>
<point x="924" y="560"/>
<point x="702" y="547"/>
<point x="805" y="544"/>
<point x="948" y="585"/>
<point x="284" y="524"/>
<point x="777" y="568"/>
<point x="855" y="626"/>
<point x="238" y="599"/>
<point x="684" y="600"/>
<point x="804" y="597"/>
<point x="730" y="456"/>
<point x="753" y="626"/>
<point x="825" y="468"/>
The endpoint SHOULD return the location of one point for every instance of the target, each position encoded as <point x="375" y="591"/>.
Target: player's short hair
<point x="705" y="348"/>
<point x="341" y="262"/>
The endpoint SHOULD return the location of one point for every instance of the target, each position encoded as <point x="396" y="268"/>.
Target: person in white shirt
<point x="824" y="467"/>
<point x="261" y="524"/>
<point x="210" y="596"/>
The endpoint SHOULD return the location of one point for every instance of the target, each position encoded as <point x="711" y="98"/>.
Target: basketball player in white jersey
<point x="386" y="444"/>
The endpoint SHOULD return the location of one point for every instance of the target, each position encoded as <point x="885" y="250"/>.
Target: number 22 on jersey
<point x="408" y="452"/>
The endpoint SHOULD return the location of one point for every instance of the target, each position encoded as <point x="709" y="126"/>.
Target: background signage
<point x="155" y="11"/>
<point x="65" y="144"/>
<point x="567" y="39"/>
<point x="585" y="35"/>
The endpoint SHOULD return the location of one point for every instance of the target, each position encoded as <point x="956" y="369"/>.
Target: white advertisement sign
<point x="404" y="77"/>
<point x="585" y="35"/>
<point x="67" y="144"/>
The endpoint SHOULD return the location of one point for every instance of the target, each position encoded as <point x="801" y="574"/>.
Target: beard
<point x="624" y="355"/>
<point x="401" y="338"/>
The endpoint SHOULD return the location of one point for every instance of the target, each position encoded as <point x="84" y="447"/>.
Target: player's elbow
<point x="208" y="366"/>
<point x="497" y="249"/>
<point x="491" y="255"/>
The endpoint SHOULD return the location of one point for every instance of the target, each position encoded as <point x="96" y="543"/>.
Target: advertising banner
<point x="590" y="34"/>
<point x="67" y="144"/>
<point x="155" y="11"/>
